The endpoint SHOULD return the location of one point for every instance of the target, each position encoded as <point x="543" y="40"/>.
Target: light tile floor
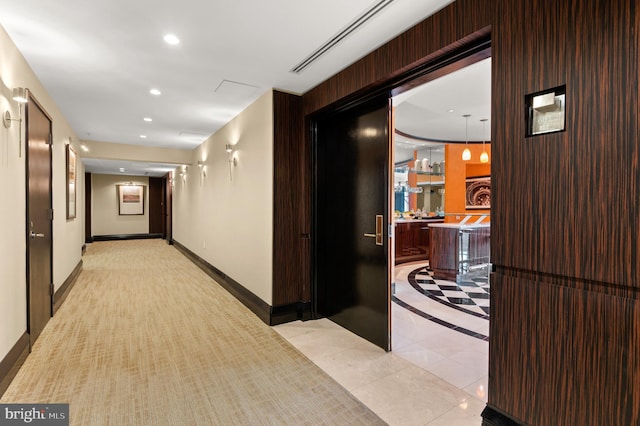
<point x="433" y="376"/>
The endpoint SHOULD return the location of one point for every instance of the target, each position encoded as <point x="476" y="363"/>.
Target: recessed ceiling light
<point x="155" y="92"/>
<point x="148" y="119"/>
<point x="121" y="169"/>
<point x="450" y="110"/>
<point x="143" y="136"/>
<point x="171" y="39"/>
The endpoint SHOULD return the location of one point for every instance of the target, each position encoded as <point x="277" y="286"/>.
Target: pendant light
<point x="466" y="154"/>
<point x="484" y="157"/>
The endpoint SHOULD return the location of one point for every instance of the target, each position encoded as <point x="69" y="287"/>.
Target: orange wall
<point x="456" y="174"/>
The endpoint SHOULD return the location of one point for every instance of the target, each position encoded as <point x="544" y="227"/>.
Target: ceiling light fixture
<point x="171" y="39"/>
<point x="143" y="136"/>
<point x="148" y="119"/>
<point x="484" y="157"/>
<point x="155" y="92"/>
<point x="466" y="154"/>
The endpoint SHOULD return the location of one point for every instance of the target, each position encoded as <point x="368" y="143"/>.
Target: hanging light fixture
<point x="466" y="154"/>
<point x="484" y="157"/>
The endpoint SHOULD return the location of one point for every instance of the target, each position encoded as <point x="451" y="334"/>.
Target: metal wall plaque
<point x="546" y="111"/>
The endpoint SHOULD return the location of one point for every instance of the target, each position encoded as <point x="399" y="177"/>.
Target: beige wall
<point x="105" y="217"/>
<point x="68" y="235"/>
<point x="228" y="222"/>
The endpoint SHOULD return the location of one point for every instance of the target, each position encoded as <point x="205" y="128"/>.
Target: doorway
<point x="339" y="185"/>
<point x="39" y="219"/>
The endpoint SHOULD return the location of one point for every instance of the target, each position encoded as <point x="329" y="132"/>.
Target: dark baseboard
<point x="125" y="237"/>
<point x="492" y="417"/>
<point x="62" y="292"/>
<point x="11" y="363"/>
<point x="291" y="312"/>
<point x="246" y="297"/>
<point x="84" y="248"/>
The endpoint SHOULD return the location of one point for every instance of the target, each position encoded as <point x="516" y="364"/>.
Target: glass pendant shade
<point x="484" y="157"/>
<point x="466" y="154"/>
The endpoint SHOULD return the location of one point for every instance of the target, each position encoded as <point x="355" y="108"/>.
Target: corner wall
<point x="227" y="220"/>
<point x="68" y="235"/>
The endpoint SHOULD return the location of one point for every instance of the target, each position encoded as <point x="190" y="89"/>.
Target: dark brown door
<point x="351" y="212"/>
<point x="156" y="206"/>
<point x="39" y="219"/>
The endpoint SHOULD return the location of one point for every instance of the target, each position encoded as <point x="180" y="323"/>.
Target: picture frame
<point x="71" y="179"/>
<point x="130" y="199"/>
<point x="478" y="193"/>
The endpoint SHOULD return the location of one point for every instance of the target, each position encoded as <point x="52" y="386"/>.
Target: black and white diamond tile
<point x="471" y="296"/>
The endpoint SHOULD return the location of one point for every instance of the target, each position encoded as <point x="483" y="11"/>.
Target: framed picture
<point x="130" y="199"/>
<point x="478" y="193"/>
<point x="72" y="161"/>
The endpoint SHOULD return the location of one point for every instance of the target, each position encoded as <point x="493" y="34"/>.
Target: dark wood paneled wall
<point x="291" y="213"/>
<point x="444" y="32"/>
<point x="564" y="335"/>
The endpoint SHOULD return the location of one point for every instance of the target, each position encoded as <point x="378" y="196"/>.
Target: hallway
<point x="145" y="337"/>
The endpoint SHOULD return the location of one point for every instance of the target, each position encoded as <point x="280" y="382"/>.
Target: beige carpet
<point x="147" y="338"/>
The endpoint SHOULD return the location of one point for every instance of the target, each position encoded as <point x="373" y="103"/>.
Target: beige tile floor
<point x="433" y="376"/>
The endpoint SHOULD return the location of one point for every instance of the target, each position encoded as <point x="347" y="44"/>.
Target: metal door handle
<point x="379" y="230"/>
<point x="34" y="234"/>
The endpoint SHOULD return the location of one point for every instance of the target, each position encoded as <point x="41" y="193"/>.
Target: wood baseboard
<point x="12" y="362"/>
<point x="291" y="312"/>
<point x="62" y="292"/>
<point x="117" y="237"/>
<point x="246" y="297"/>
<point x="492" y="417"/>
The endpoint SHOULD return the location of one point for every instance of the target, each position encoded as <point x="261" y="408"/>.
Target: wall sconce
<point x="233" y="161"/>
<point x="19" y="95"/>
<point x="200" y="163"/>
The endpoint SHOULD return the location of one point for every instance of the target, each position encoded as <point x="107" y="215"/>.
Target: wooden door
<point x="39" y="219"/>
<point x="352" y="196"/>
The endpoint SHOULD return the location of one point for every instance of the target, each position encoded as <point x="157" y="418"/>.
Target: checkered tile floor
<point x="470" y="296"/>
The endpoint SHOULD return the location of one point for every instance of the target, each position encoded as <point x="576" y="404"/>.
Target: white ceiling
<point x="435" y="111"/>
<point x="98" y="60"/>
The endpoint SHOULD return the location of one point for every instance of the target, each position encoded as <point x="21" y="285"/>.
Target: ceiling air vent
<point x="354" y="25"/>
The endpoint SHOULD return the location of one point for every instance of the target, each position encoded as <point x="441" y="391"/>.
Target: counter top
<point x="425" y="220"/>
<point x="459" y="226"/>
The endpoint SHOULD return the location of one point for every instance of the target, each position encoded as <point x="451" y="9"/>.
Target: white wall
<point x="105" y="217"/>
<point x="68" y="236"/>
<point x="229" y="223"/>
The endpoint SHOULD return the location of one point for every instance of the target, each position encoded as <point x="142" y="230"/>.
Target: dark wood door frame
<point x="477" y="48"/>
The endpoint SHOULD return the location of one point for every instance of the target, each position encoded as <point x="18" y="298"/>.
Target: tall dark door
<point x="39" y="219"/>
<point x="351" y="212"/>
<point x="156" y="206"/>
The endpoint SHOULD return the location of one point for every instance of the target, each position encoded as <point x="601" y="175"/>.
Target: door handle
<point x="36" y="234"/>
<point x="379" y="229"/>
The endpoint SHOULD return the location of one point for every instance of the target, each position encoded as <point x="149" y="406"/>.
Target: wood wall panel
<point x="445" y="31"/>
<point x="576" y="190"/>
<point x="291" y="215"/>
<point x="561" y="355"/>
